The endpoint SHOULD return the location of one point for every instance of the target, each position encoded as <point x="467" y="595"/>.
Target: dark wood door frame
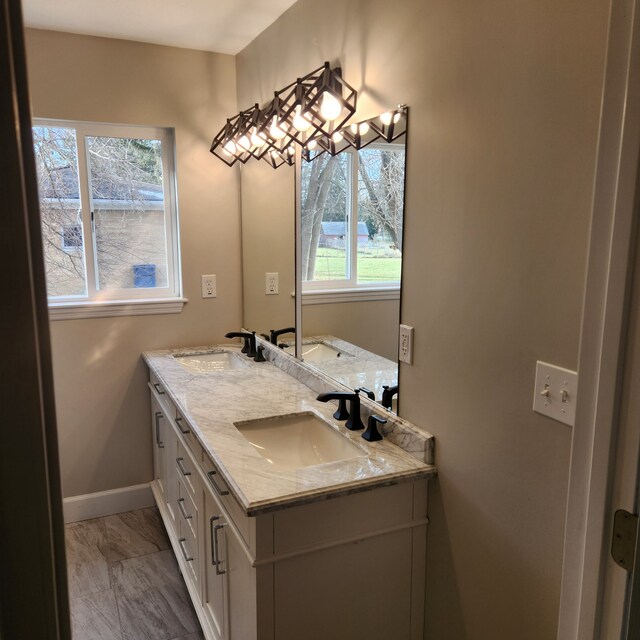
<point x="33" y="581"/>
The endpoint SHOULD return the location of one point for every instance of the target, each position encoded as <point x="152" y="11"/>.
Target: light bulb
<point x="257" y="139"/>
<point x="364" y="128"/>
<point x="330" y="108"/>
<point x="354" y="129"/>
<point x="311" y="145"/>
<point x="300" y="122"/>
<point x="275" y="131"/>
<point x="386" y="118"/>
<point x="244" y="142"/>
<point x="337" y="137"/>
<point x="274" y="153"/>
<point x="291" y="150"/>
<point x="396" y="117"/>
<point x="230" y="147"/>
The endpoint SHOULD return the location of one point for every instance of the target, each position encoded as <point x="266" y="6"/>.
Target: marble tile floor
<point x="124" y="582"/>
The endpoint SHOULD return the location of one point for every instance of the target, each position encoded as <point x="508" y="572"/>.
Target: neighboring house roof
<point x="63" y="183"/>
<point x="339" y="229"/>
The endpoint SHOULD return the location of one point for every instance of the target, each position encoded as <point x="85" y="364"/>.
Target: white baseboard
<point x="105" y="503"/>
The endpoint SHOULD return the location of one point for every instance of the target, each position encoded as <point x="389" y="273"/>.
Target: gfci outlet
<point x="271" y="284"/>
<point x="555" y="392"/>
<point x="209" y="286"/>
<point x="405" y="344"/>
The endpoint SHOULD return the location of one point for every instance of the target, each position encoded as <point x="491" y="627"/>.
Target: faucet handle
<point x="372" y="434"/>
<point x="259" y="355"/>
<point x="367" y="392"/>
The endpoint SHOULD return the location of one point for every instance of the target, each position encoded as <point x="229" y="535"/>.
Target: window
<point x="352" y="215"/>
<point x="109" y="218"/>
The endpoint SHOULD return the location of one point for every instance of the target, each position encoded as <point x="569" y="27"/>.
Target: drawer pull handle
<point x="158" y="441"/>
<point x="185" y="515"/>
<point x="183" y="431"/>
<point x="184" y="551"/>
<point x="216" y="562"/>
<point x="181" y="467"/>
<point x="214" y="549"/>
<point x="221" y="492"/>
<point x="158" y="388"/>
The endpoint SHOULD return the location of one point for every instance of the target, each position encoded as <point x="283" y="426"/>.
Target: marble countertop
<point x="212" y="402"/>
<point x="357" y="367"/>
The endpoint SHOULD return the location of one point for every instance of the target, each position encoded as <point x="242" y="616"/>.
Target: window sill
<point x="329" y="296"/>
<point x="114" y="308"/>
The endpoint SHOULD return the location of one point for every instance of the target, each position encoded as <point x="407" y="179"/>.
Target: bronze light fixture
<point x="308" y="112"/>
<point x="388" y="127"/>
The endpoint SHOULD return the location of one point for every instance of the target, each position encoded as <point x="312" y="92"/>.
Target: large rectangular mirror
<point x="351" y="203"/>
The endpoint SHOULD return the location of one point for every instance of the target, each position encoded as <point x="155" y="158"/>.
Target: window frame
<point x="134" y="301"/>
<point x="349" y="289"/>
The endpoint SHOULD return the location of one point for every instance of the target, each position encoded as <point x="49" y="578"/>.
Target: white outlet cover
<point x="556" y="392"/>
<point x="271" y="284"/>
<point x="405" y="344"/>
<point x="209" y="286"/>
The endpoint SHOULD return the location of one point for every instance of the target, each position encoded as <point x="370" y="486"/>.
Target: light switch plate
<point x="556" y="391"/>
<point x="209" y="286"/>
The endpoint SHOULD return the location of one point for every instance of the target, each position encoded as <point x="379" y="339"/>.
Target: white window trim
<point x="359" y="294"/>
<point x="114" y="308"/>
<point x="122" y="302"/>
<point x="348" y="290"/>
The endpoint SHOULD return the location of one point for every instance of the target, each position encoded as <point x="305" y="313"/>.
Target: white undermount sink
<point x="211" y="362"/>
<point x="299" y="440"/>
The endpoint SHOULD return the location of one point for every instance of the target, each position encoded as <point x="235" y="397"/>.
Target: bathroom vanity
<point x="285" y="524"/>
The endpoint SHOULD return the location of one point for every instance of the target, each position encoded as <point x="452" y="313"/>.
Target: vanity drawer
<point x="187" y="473"/>
<point x="188" y="436"/>
<point x="218" y="487"/>
<point x="189" y="550"/>
<point x="188" y="512"/>
<point x="157" y="385"/>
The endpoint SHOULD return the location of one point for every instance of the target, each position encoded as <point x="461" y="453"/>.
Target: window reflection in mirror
<point x="352" y="213"/>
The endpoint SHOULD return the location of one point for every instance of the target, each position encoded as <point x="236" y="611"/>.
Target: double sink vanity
<point x="286" y="524"/>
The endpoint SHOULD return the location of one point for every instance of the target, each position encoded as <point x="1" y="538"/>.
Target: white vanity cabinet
<point x="345" y="568"/>
<point x="164" y="454"/>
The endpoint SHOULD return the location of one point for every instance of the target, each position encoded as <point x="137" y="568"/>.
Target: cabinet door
<point x="214" y="588"/>
<point x="159" y="430"/>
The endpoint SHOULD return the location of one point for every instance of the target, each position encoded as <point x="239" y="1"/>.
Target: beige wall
<point x="100" y="380"/>
<point x="371" y="325"/>
<point x="504" y="101"/>
<point x="268" y="245"/>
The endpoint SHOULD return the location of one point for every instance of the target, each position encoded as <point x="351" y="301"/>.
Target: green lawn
<point x="331" y="265"/>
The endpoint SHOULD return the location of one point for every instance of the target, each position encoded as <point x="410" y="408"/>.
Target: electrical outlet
<point x="405" y="344"/>
<point x="271" y="288"/>
<point x="209" y="286"/>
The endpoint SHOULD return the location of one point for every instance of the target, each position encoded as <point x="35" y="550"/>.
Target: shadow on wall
<point x="441" y="573"/>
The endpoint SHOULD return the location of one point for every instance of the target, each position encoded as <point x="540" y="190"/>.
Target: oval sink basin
<point x="211" y="362"/>
<point x="316" y="351"/>
<point x="300" y="440"/>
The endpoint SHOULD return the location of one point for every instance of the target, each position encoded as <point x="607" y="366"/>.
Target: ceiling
<point x="225" y="26"/>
